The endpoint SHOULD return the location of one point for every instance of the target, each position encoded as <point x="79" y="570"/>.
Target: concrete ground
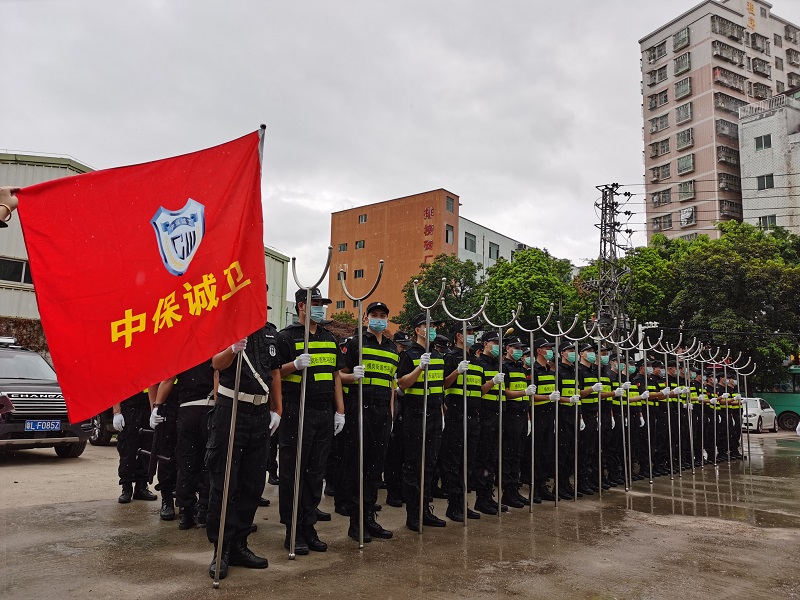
<point x="731" y="532"/>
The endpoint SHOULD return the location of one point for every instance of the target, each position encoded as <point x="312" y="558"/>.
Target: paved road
<point x="730" y="532"/>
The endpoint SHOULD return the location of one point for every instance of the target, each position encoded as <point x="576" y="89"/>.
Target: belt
<point x="202" y="402"/>
<point x="254" y="399"/>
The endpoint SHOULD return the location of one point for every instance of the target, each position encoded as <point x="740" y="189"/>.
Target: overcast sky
<point x="519" y="107"/>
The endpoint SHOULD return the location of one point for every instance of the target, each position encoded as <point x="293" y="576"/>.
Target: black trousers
<point x="640" y="438"/>
<point x="393" y="469"/>
<point x="167" y="435"/>
<point x="272" y="459"/>
<point x="412" y="463"/>
<point x="316" y="445"/>
<point x="612" y="449"/>
<point x="451" y="453"/>
<point x="587" y="445"/>
<point x="566" y="443"/>
<point x="248" y="467"/>
<point x="515" y="431"/>
<point x="697" y="433"/>
<point x="709" y="414"/>
<point x="192" y="478"/>
<point x="486" y="458"/>
<point x="736" y="428"/>
<point x="377" y="426"/>
<point x="543" y="431"/>
<point x="129" y="440"/>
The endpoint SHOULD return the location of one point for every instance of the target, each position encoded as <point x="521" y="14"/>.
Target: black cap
<point x="656" y="364"/>
<point x="300" y="296"/>
<point x="566" y="347"/>
<point x="373" y="305"/>
<point x="526" y="350"/>
<point x="612" y="356"/>
<point x="457" y="328"/>
<point x="489" y="336"/>
<point x="640" y="363"/>
<point x="401" y="337"/>
<point x="514" y="342"/>
<point x="672" y="363"/>
<point x="586" y="347"/>
<point x="441" y="340"/>
<point x="542" y="343"/>
<point x="420" y="320"/>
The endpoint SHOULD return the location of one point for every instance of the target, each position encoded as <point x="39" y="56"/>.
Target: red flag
<point x="144" y="271"/>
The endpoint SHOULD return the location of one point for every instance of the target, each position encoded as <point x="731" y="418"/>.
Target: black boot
<point x="412" y="518"/>
<point x="186" y="520"/>
<point x="142" y="492"/>
<point x="223" y="566"/>
<point x="312" y="539"/>
<point x="431" y="520"/>
<point x="242" y="556"/>
<point x="454" y="512"/>
<point x="200" y="515"/>
<point x="544" y="494"/>
<point x="127" y="493"/>
<point x="485" y="506"/>
<point x="167" y="512"/>
<point x="322" y="515"/>
<point x="393" y="500"/>
<point x="374" y="528"/>
<point x="300" y="545"/>
<point x="352" y="531"/>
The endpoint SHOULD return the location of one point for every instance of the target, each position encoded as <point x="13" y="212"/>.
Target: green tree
<point x="345" y="318"/>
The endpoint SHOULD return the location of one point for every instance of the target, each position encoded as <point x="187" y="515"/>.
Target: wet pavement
<point x="730" y="532"/>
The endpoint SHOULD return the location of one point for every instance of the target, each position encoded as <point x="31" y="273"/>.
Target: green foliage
<point x="344" y="317"/>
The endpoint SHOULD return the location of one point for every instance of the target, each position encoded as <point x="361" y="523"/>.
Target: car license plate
<point x="43" y="425"/>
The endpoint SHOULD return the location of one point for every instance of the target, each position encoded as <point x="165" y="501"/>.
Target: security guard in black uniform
<point x="393" y="475"/>
<point x="543" y="376"/>
<point x="250" y="447"/>
<point x="195" y="397"/>
<point x="568" y="397"/>
<point x="486" y="458"/>
<point x="130" y="416"/>
<point x="414" y="362"/>
<point x="590" y="388"/>
<point x="323" y="394"/>
<point x="451" y="454"/>
<point x="376" y="375"/>
<point x="165" y="443"/>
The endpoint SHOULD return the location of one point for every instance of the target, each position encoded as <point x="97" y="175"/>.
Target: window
<point x="727" y="52"/>
<point x="343" y="247"/>
<point x="728" y="155"/>
<point x="470" y="242"/>
<point x="362" y="219"/>
<point x="685" y="164"/>
<point x="683" y="113"/>
<point x="12" y="270"/>
<point x="778" y="63"/>
<point x="682" y="64"/>
<point x="358" y="274"/>
<point x="659" y="123"/>
<point x="688" y="216"/>
<point x="680" y="39"/>
<point x="793" y="57"/>
<point x="360" y="245"/>
<point x="659" y="148"/>
<point x="729" y="183"/>
<point x="778" y="41"/>
<point x="685" y="190"/>
<point x="660" y="173"/>
<point x="780" y="87"/>
<point x="684" y="139"/>
<point x="727" y="28"/>
<point x="339" y="304"/>
<point x="450" y="204"/>
<point x="662" y="197"/>
<point x="656" y="100"/>
<point x="494" y="251"/>
<point x="759" y="43"/>
<point x="729" y="103"/>
<point x="768" y="222"/>
<point x="448" y="234"/>
<point x="683" y="88"/>
<point x="766" y="182"/>
<point x="764" y="141"/>
<point x="761" y="67"/>
<point x="355" y="303"/>
<point x="657" y="52"/>
<point x="763" y="12"/>
<point x="656" y="76"/>
<point x="662" y="222"/>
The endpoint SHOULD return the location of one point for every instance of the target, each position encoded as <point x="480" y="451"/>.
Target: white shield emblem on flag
<point x="179" y="234"/>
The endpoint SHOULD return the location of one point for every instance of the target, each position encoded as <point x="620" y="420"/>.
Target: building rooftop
<point x="393" y="200"/>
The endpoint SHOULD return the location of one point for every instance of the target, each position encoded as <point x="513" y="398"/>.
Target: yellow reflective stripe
<point x="301" y="346"/>
<point x="540" y="402"/>
<point x="323" y="359"/>
<point x="516" y="386"/>
<point x="412" y="391"/>
<point x="380" y="367"/>
<point x="546" y="389"/>
<point x="323" y="376"/>
<point x="383" y="353"/>
<point x="294" y="378"/>
<point x="376" y="381"/>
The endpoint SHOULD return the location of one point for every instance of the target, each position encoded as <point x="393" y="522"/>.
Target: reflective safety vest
<point x="545" y="381"/>
<point x="489" y="371"/>
<point x="567" y="383"/>
<point x="516" y="381"/>
<point x="474" y="383"/>
<point x="693" y="394"/>
<point x="324" y="362"/>
<point x="588" y="381"/>
<point x="379" y="367"/>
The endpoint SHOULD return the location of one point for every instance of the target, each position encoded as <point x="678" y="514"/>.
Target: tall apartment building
<point x="769" y="144"/>
<point x="404" y="232"/>
<point x="697" y="71"/>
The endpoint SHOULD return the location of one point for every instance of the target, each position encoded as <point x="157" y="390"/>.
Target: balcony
<point x="792" y="34"/>
<point x="793" y="57"/>
<point x="793" y="80"/>
<point x="726" y="52"/>
<point x="728" y="208"/>
<point x="727" y="129"/>
<point x="727" y="155"/>
<point x="759" y="43"/>
<point x="727" y="28"/>
<point x="730" y="183"/>
<point x="729" y="79"/>
<point x="761" y="91"/>
<point x="761" y="67"/>
<point x="729" y="103"/>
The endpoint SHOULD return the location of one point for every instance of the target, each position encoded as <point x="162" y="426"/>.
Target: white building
<point x="769" y="144"/>
<point x="483" y="245"/>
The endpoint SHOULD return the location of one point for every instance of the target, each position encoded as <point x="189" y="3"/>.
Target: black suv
<point x="39" y="418"/>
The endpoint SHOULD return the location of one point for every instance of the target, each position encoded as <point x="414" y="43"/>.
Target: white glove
<point x="613" y="422"/>
<point x="618" y="392"/>
<point x="726" y="395"/>
<point x="712" y="401"/>
<point x="529" y="427"/>
<point x="689" y="406"/>
<point x="463" y="367"/>
<point x="425" y="360"/>
<point x="645" y="395"/>
<point x="155" y="418"/>
<point x="530" y="390"/>
<point x="119" y="422"/>
<point x="239" y="346"/>
<point x="666" y="392"/>
<point x="641" y="421"/>
<point x="738" y="397"/>
<point x="702" y="397"/>
<point x="719" y="419"/>
<point x="597" y="387"/>
<point x="302" y="362"/>
<point x="338" y="423"/>
<point x="685" y="390"/>
<point x="575" y="399"/>
<point x="626" y="386"/>
<point x="555" y="396"/>
<point x="358" y="372"/>
<point x="274" y="421"/>
<point x="442" y="422"/>
<point x="499" y="378"/>
<point x="583" y="425"/>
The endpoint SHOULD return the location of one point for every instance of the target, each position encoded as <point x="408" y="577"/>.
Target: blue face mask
<point x="649" y="370"/>
<point x="571" y="357"/>
<point x="495" y="351"/>
<point x="527" y="361"/>
<point x="470" y="340"/>
<point x="317" y="314"/>
<point x="605" y="359"/>
<point x="517" y="354"/>
<point x="548" y="355"/>
<point x="378" y="324"/>
<point x="591" y="357"/>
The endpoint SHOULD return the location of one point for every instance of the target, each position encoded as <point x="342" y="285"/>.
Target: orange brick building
<point x="404" y="232"/>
